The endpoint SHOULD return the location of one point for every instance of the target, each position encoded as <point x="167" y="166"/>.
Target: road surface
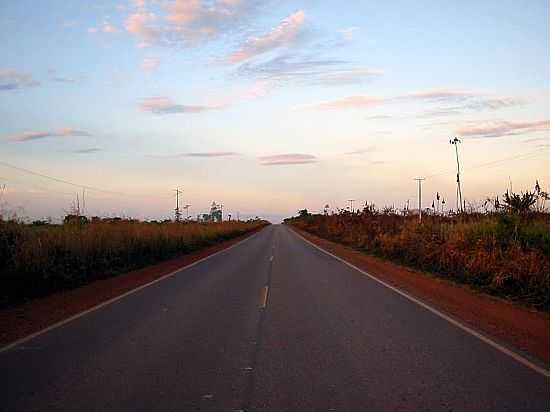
<point x="328" y="339"/>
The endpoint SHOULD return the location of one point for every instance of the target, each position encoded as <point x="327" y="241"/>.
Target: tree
<point x="303" y="213"/>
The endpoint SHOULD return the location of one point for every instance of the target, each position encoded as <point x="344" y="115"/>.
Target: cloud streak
<point x="311" y="70"/>
<point x="62" y="132"/>
<point x="211" y="154"/>
<point x="150" y="63"/>
<point x="164" y="105"/>
<point x="88" y="150"/>
<point x="362" y="151"/>
<point x="500" y="129"/>
<point x="287" y="159"/>
<point x="440" y="94"/>
<point x="14" y="80"/>
<point x="351" y="102"/>
<point x="282" y="35"/>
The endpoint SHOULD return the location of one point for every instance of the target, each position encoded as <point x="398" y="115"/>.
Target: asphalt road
<point x="328" y="339"/>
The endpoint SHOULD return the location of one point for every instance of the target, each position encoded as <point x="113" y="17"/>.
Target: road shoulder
<point x="517" y="326"/>
<point x="26" y="319"/>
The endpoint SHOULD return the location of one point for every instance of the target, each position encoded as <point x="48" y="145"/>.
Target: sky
<point x="268" y="107"/>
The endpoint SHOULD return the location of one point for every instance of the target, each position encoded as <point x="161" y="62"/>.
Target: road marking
<point x="263" y="297"/>
<point x="116" y="298"/>
<point x="514" y="355"/>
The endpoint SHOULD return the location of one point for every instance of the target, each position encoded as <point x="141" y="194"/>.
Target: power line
<point x="55" y="179"/>
<point x="494" y="162"/>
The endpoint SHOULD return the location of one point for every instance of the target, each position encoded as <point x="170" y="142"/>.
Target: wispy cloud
<point x="54" y="76"/>
<point x="88" y="150"/>
<point x="379" y="117"/>
<point x="365" y="150"/>
<point x="282" y="35"/>
<point x="536" y="140"/>
<point x="211" y="154"/>
<point x="255" y="90"/>
<point x="70" y="23"/>
<point x="351" y="102"/>
<point x="106" y="27"/>
<point x="287" y="159"/>
<point x="150" y="63"/>
<point x="499" y="129"/>
<point x="165" y="105"/>
<point x="13" y="80"/>
<point x="455" y="102"/>
<point x="440" y="94"/>
<point x="348" y="33"/>
<point x="62" y="132"/>
<point x="307" y="69"/>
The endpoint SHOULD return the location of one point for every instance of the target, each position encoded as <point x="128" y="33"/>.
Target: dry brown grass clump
<point x="501" y="253"/>
<point x="40" y="259"/>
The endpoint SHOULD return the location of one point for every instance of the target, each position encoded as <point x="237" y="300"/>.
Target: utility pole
<point x="177" y="209"/>
<point x="221" y="213"/>
<point x="419" y="179"/>
<point x="186" y="207"/>
<point x="459" y="203"/>
<point x="83" y="201"/>
<point x="351" y="204"/>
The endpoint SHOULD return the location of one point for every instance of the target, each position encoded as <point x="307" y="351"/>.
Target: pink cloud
<point x="210" y="154"/>
<point x="362" y="151"/>
<point x="184" y="22"/>
<point x="165" y="105"/>
<point x="282" y="35"/>
<point x="287" y="159"/>
<point x="141" y="25"/>
<point x="13" y="80"/>
<point x="150" y="63"/>
<point x="351" y="102"/>
<point x="499" y="129"/>
<point x="437" y="94"/>
<point x="62" y="132"/>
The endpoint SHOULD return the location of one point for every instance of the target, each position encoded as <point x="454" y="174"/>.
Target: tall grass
<point x="504" y="254"/>
<point x="40" y="259"/>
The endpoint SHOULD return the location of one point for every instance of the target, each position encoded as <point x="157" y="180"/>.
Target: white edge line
<point x="514" y="355"/>
<point x="119" y="297"/>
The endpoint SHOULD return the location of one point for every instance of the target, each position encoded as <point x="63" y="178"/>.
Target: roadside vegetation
<point x="503" y="249"/>
<point x="41" y="258"/>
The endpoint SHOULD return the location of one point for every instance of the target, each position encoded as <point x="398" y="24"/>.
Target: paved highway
<point x="271" y="324"/>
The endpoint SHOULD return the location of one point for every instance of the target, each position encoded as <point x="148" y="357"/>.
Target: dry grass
<point x="40" y="259"/>
<point x="502" y="254"/>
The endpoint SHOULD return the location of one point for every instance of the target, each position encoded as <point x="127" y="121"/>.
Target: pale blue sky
<point x="269" y="106"/>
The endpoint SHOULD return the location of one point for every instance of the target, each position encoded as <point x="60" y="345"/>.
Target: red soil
<point x="518" y="326"/>
<point x="27" y="318"/>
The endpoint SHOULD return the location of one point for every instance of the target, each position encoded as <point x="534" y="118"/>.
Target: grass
<point x="40" y="259"/>
<point x="503" y="254"/>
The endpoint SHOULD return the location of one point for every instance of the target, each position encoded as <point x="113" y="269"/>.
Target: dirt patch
<point x="518" y="326"/>
<point x="27" y="318"/>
